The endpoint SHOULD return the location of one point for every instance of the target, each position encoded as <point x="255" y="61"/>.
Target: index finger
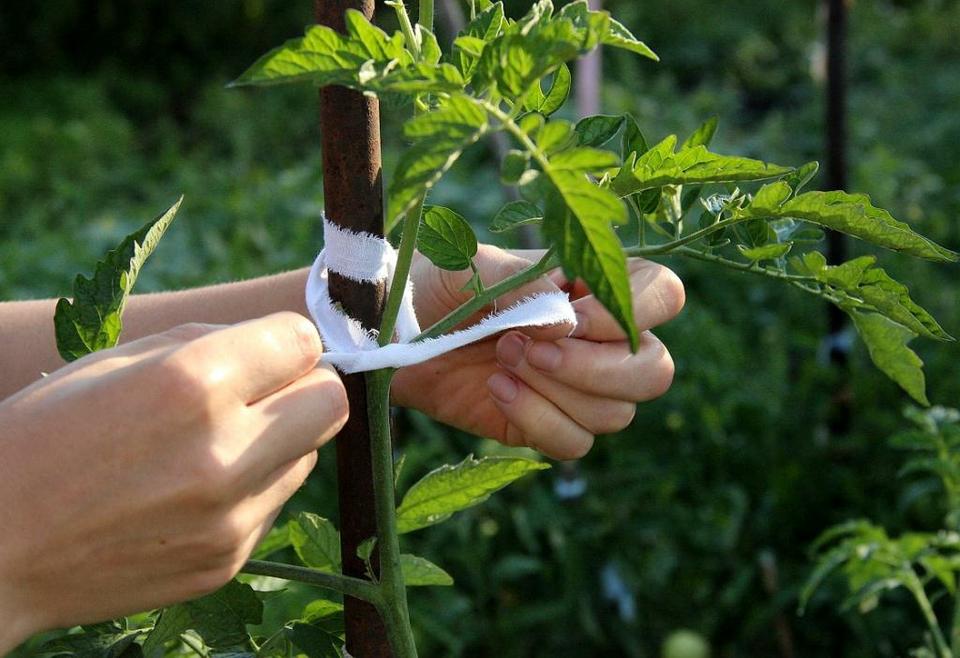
<point x="253" y="359"/>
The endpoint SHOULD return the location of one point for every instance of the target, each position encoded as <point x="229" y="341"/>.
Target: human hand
<point x="537" y="387"/>
<point x="146" y="474"/>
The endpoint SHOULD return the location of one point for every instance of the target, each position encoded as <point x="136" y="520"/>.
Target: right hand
<point x="144" y="475"/>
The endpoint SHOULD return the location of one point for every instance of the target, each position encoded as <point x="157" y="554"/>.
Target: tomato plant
<point x="600" y="193"/>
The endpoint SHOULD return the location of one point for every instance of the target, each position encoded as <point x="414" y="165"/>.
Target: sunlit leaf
<point x="514" y="214"/>
<point x="446" y="239"/>
<point x="450" y="489"/>
<point x="766" y="252"/>
<point x="548" y="103"/>
<point x="703" y="135"/>
<point x="886" y="343"/>
<point x="663" y="165"/>
<point x="92" y="320"/>
<point x="419" y="572"/>
<point x="220" y="618"/>
<point x="365" y="58"/>
<point x="316" y="541"/>
<point x="441" y="136"/>
<point x="577" y="221"/>
<point x="599" y="129"/>
<point x="848" y="213"/>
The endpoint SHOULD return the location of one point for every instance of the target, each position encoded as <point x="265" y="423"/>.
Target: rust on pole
<point x="353" y="198"/>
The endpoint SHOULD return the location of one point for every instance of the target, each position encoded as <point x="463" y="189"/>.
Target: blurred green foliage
<point x="110" y="110"/>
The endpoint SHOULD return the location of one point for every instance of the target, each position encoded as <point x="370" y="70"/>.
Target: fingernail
<point x="581" y="329"/>
<point x="510" y="350"/>
<point x="544" y="356"/>
<point x="502" y="387"/>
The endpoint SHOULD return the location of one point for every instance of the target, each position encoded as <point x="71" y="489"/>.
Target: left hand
<point x="537" y="387"/>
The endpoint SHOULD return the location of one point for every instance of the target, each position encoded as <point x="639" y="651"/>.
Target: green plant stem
<point x="955" y="626"/>
<point x="408" y="244"/>
<point x="725" y="262"/>
<point x="667" y="247"/>
<point x="406" y="26"/>
<point x="916" y="588"/>
<point x="346" y="585"/>
<point x="193" y="646"/>
<point x="425" y="18"/>
<point x="396" y="616"/>
<point x="481" y="301"/>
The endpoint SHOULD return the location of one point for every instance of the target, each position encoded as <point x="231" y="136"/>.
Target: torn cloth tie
<point x="366" y="257"/>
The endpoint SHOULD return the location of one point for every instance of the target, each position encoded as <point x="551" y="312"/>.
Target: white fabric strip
<point x="365" y="257"/>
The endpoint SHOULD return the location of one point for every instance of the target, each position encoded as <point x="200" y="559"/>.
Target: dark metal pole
<point x="353" y="197"/>
<point x="836" y="179"/>
<point x="836" y="133"/>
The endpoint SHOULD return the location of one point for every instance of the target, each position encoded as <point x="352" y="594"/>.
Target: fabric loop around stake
<point x="365" y="257"/>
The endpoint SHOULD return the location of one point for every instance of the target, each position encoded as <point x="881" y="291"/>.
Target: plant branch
<point x="481" y="301"/>
<point x="346" y="585"/>
<point x="425" y="18"/>
<point x="193" y="646"/>
<point x="725" y="262"/>
<point x="666" y="247"/>
<point x="392" y="588"/>
<point x="916" y="588"/>
<point x="408" y="244"/>
<point x="405" y="26"/>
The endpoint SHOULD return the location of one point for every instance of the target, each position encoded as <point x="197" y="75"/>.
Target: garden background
<point x="109" y="110"/>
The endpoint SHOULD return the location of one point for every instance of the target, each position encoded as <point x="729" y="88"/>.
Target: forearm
<point x="26" y="328"/>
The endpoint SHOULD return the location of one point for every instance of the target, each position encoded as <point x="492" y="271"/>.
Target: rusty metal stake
<point x="353" y="197"/>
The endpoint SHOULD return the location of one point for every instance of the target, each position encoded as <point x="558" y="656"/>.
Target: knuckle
<point x="207" y="482"/>
<point x="180" y="380"/>
<point x="189" y="331"/>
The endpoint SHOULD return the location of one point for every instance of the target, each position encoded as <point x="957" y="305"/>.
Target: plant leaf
<point x="450" y="489"/>
<point x="703" y="135"/>
<point x="577" y="221"/>
<point x="599" y="129"/>
<point x="583" y="159"/>
<point x="619" y="36"/>
<point x="546" y="104"/>
<point x="514" y="164"/>
<point x="848" y="213"/>
<point x="316" y="541"/>
<point x="514" y="214"/>
<point x="314" y="641"/>
<point x="321" y="609"/>
<point x="365" y="58"/>
<point x="632" y="141"/>
<point x="661" y="165"/>
<point x="771" y="251"/>
<point x="92" y="642"/>
<point x="420" y="572"/>
<point x="441" y="136"/>
<point x="487" y="26"/>
<point x="92" y="321"/>
<point x="446" y="239"/>
<point x="886" y="343"/>
<point x="219" y="618"/>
